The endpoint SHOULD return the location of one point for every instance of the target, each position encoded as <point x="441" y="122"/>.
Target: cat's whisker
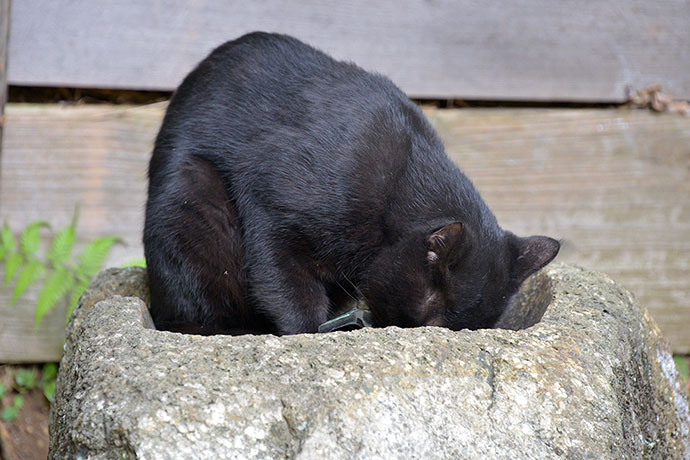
<point x="357" y="290"/>
<point x="346" y="291"/>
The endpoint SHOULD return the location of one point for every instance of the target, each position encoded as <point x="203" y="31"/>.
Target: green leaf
<point x="25" y="378"/>
<point x="94" y="253"/>
<point x="682" y="365"/>
<point x="9" y="413"/>
<point x="49" y="390"/>
<point x="27" y="275"/>
<point x="61" y="246"/>
<point x="30" y="238"/>
<point x="11" y="265"/>
<point x="6" y="240"/>
<point x="49" y="372"/>
<point x="2" y="390"/>
<point x="141" y="262"/>
<point x="54" y="288"/>
<point x="74" y="297"/>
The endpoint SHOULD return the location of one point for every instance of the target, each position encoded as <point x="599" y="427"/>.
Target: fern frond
<point x="30" y="238"/>
<point x="13" y="262"/>
<point x="27" y="276"/>
<point x="56" y="285"/>
<point x="141" y="262"/>
<point x="63" y="241"/>
<point x="93" y="255"/>
<point x="61" y="246"/>
<point x="7" y="245"/>
<point x="75" y="295"/>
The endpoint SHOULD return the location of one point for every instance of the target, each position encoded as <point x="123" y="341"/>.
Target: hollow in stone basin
<point x="528" y="306"/>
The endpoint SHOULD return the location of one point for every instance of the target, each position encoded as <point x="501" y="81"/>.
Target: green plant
<point x="12" y="411"/>
<point x="682" y="365"/>
<point x="24" y="381"/>
<point x="135" y="263"/>
<point x="61" y="277"/>
<point x="48" y="376"/>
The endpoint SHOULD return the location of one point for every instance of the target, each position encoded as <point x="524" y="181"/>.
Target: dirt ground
<point x="26" y="437"/>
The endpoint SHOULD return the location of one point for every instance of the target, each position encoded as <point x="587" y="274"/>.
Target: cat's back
<point x="274" y="115"/>
<point x="273" y="96"/>
<point x="266" y="71"/>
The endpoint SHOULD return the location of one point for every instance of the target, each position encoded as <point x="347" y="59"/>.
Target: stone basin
<point x="580" y="372"/>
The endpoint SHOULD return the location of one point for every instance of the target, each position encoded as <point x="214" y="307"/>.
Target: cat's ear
<point x="443" y="244"/>
<point x="533" y="253"/>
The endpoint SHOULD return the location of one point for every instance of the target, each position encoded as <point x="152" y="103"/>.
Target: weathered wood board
<point x="4" y="35"/>
<point x="531" y="50"/>
<point x="614" y="184"/>
<point x="54" y="157"/>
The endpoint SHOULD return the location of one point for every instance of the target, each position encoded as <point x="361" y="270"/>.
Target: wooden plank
<point x="534" y="50"/>
<point x="614" y="184"/>
<point x="96" y="156"/>
<point x="4" y="36"/>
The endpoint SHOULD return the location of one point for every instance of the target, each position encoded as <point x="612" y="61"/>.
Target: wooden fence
<point x="528" y="50"/>
<point x="613" y="183"/>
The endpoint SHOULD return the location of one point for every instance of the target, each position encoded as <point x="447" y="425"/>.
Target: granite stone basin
<point x="580" y="371"/>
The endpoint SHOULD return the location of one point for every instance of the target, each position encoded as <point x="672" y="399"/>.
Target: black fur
<point x="284" y="183"/>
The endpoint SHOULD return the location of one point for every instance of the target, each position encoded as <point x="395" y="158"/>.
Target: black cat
<point x="284" y="183"/>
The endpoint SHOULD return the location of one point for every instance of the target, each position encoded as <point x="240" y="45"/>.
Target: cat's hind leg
<point x="195" y="256"/>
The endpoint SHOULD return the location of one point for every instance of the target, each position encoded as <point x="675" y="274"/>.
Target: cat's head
<point x="456" y="278"/>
